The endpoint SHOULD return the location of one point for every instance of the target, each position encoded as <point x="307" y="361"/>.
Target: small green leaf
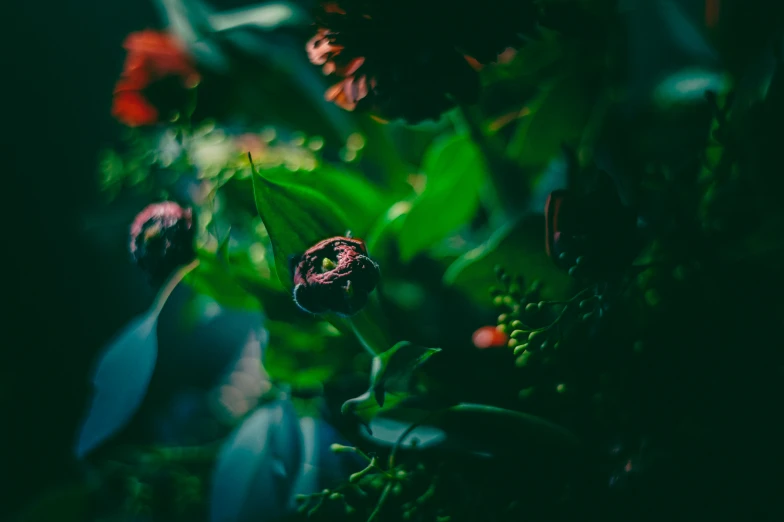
<point x="455" y="172"/>
<point x="390" y="374"/>
<point x="223" y="249"/>
<point x="296" y="218"/>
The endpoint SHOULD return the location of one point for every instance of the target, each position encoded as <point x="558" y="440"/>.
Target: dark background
<point x="71" y="289"/>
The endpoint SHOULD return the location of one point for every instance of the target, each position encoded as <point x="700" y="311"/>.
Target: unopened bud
<point x="518" y="334"/>
<point x="340" y="448"/>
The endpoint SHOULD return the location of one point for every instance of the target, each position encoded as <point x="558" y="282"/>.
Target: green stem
<point x="381" y="501"/>
<point x="171" y="284"/>
<point x="535" y="422"/>
<point x="369" y="328"/>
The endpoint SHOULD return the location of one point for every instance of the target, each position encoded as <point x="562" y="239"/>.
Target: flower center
<point x="327" y="264"/>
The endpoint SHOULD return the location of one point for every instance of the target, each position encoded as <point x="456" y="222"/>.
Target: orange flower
<point x="152" y="57"/>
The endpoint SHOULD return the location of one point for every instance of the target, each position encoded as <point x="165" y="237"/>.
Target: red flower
<point x="335" y="275"/>
<point x="489" y="337"/>
<point x="152" y="58"/>
<point x="411" y="60"/>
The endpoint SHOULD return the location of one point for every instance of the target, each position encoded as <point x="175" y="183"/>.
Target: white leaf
<point x="267" y="16"/>
<point x="257" y="467"/>
<point x="121" y="379"/>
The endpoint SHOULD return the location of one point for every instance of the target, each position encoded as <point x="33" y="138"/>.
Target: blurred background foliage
<point x="674" y="391"/>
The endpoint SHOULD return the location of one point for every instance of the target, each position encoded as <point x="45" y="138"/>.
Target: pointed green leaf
<point x="296" y="217"/>
<point x="455" y="171"/>
<point x="359" y="200"/>
<point x="390" y="374"/>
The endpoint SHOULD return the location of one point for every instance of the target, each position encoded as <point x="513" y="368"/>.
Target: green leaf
<point x="296" y="218"/>
<point x="557" y="115"/>
<point x="390" y="374"/>
<point x="382" y="239"/>
<point x="455" y="172"/>
<point x="473" y="428"/>
<point x="305" y="354"/>
<point x="518" y="246"/>
<point x="360" y="200"/>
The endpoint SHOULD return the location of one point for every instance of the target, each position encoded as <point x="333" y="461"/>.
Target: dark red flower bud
<point x="162" y="239"/>
<point x="335" y="275"/>
<point x="593" y="232"/>
<point x="489" y="337"/>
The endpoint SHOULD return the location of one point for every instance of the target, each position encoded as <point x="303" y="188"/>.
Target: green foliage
<point x="701" y="179"/>
<point x="390" y="373"/>
<point x="296" y="218"/>
<point x="519" y="243"/>
<point x="556" y="116"/>
<point x="455" y="173"/>
<point x="307" y="354"/>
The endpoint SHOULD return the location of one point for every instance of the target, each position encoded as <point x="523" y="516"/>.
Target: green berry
<point x="508" y="301"/>
<point x="536" y="335"/>
<point x="512" y="343"/>
<point x="518" y="334"/>
<point x="498" y="300"/>
<point x="530" y="307"/>
<point x="503" y="318"/>
<point x="580" y="260"/>
<point x="523" y="359"/>
<point x="588" y="316"/>
<point x="573" y="271"/>
<point x="561" y="388"/>
<point x="520" y="349"/>
<point x="541" y="305"/>
<point x="516" y="324"/>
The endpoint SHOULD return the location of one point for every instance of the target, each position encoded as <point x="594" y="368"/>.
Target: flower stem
<point x="369" y="327"/>
<point x="171" y="284"/>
